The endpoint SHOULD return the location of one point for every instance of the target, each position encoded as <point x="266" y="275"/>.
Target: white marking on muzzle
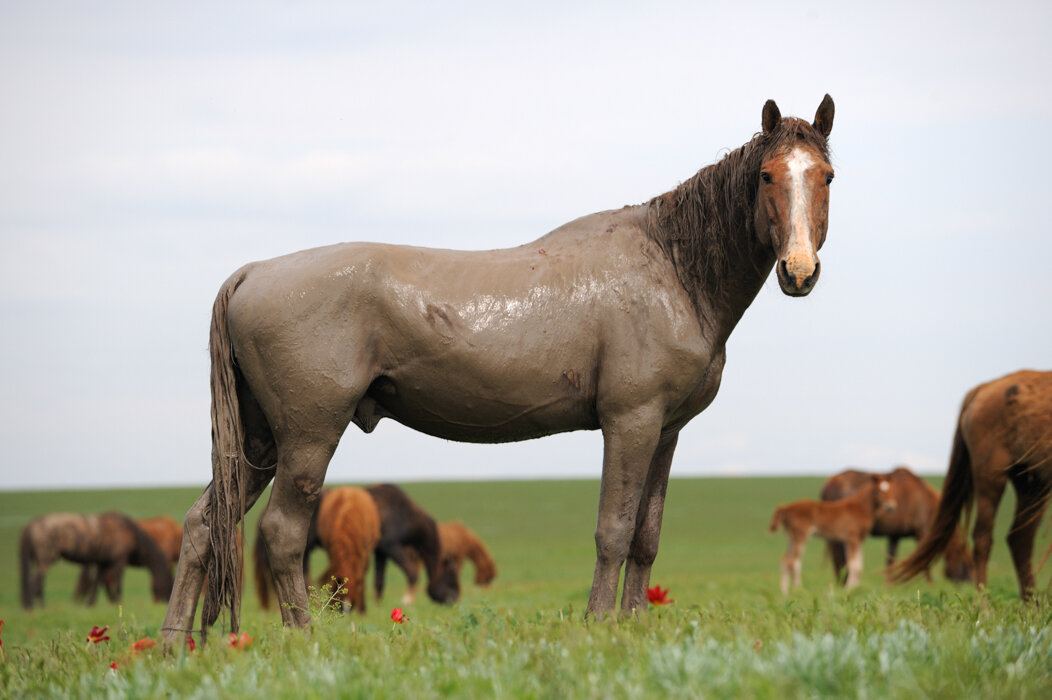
<point x="799" y="254"/>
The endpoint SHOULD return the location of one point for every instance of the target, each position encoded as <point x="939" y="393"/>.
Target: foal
<point x="846" y="521"/>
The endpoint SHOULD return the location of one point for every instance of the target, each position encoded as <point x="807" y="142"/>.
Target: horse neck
<point x="705" y="227"/>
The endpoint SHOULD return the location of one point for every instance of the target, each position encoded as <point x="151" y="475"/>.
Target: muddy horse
<point x="847" y="521"/>
<point x="617" y="321"/>
<point x="108" y="541"/>
<point x="916" y="503"/>
<point x="1004" y="433"/>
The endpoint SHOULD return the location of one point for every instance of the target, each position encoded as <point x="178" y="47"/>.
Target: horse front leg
<point x="854" y="563"/>
<point x="628" y="451"/>
<point x="792" y="570"/>
<point x="644" y="548"/>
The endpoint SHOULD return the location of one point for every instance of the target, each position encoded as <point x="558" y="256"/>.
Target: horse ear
<point x="824" y="116"/>
<point x="771" y="116"/>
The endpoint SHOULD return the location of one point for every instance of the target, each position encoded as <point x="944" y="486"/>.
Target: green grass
<point x="730" y="633"/>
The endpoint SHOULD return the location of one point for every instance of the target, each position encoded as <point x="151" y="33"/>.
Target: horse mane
<point x="705" y="225"/>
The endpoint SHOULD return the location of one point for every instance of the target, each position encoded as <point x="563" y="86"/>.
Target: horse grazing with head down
<point x="406" y="530"/>
<point x="458" y="542"/>
<point x="847" y="521"/>
<point x="617" y="321"/>
<point x="111" y="541"/>
<point x="348" y="531"/>
<point x="162" y="529"/>
<point x="1004" y="433"/>
<point x="916" y="503"/>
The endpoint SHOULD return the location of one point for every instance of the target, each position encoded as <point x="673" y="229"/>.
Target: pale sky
<point x="147" y="150"/>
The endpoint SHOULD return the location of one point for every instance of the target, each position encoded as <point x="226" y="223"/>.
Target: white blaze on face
<point x="799" y="252"/>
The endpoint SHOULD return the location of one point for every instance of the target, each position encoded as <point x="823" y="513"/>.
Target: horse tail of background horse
<point x="957" y="492"/>
<point x="776" y="519"/>
<point x="262" y="574"/>
<point x="229" y="467"/>
<point x="25" y="563"/>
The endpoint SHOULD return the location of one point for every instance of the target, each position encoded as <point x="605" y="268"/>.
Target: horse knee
<point x="612" y="542"/>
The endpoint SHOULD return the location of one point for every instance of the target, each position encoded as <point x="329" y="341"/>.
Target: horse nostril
<point x="785" y="269"/>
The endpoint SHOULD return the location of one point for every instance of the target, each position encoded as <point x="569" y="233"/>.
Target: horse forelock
<point x="705" y="225"/>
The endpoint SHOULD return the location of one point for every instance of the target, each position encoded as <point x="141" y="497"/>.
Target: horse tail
<point x="263" y="574"/>
<point x="229" y="468"/>
<point x="956" y="497"/>
<point x="26" y="557"/>
<point x="777" y="519"/>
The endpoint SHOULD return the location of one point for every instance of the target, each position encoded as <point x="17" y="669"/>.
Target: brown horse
<point x="348" y="531"/>
<point x="617" y="321"/>
<point x="847" y="521"/>
<point x="1004" y="433"/>
<point x="162" y="529"/>
<point x="406" y="530"/>
<point x="916" y="502"/>
<point x="458" y="543"/>
<point x="110" y="540"/>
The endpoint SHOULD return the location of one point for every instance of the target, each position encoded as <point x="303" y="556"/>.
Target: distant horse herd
<point x="617" y="321"/>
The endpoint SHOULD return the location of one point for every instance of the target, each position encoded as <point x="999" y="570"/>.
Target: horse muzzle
<point x="797" y="275"/>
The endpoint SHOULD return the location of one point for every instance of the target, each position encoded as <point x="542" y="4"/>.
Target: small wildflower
<point x="190" y="642"/>
<point x="113" y="665"/>
<point x="398" y="616"/>
<point x="239" y="643"/>
<point x="98" y="634"/>
<point x="658" y="596"/>
<point x="143" y="645"/>
<point x="756" y="645"/>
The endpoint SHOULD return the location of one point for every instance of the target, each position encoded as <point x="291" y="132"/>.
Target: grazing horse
<point x="847" y="521"/>
<point x="111" y="541"/>
<point x="162" y="529"/>
<point x="406" y="530"/>
<point x="458" y="543"/>
<point x="916" y="502"/>
<point x="348" y="531"/>
<point x="1004" y="433"/>
<point x="617" y="321"/>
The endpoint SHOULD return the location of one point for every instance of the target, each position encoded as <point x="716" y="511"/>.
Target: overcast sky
<point x="147" y="150"/>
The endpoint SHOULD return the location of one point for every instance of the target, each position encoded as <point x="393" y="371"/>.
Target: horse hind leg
<point x="1031" y="498"/>
<point x="792" y="564"/>
<point x="284" y="523"/>
<point x="644" y="547"/>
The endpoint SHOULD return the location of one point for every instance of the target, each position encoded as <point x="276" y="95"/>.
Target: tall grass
<point x="729" y="633"/>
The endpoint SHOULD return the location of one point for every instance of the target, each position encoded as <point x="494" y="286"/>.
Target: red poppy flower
<point x="1" y="631"/>
<point x="658" y="596"/>
<point x="398" y="616"/>
<point x="190" y="642"/>
<point x="113" y="665"/>
<point x="242" y="642"/>
<point x="97" y="634"/>
<point x="143" y="644"/>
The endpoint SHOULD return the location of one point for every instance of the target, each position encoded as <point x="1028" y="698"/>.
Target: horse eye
<point x="829" y="178"/>
<point x="766" y="177"/>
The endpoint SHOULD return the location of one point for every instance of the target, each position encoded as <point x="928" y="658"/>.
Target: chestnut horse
<point x="458" y="542"/>
<point x="406" y="530"/>
<point x="617" y="321"/>
<point x="162" y="529"/>
<point x="847" y="521"/>
<point x="916" y="502"/>
<point x="111" y="541"/>
<point x="1004" y="433"/>
<point x="348" y="531"/>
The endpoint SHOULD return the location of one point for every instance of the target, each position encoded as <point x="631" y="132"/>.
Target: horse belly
<point x="469" y="406"/>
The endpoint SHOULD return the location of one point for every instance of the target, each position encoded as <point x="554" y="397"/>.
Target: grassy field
<point x="730" y="633"/>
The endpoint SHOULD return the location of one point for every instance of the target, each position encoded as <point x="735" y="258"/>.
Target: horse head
<point x="792" y="207"/>
<point x="444" y="585"/>
<point x="885" y="499"/>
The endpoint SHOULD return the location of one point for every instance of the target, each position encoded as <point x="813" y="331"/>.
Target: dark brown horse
<point x="916" y="503"/>
<point x="164" y="530"/>
<point x="1004" y="433"/>
<point x="406" y="530"/>
<point x="847" y="521"/>
<point x="110" y="541"/>
<point x="459" y="543"/>
<point x="617" y="321"/>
